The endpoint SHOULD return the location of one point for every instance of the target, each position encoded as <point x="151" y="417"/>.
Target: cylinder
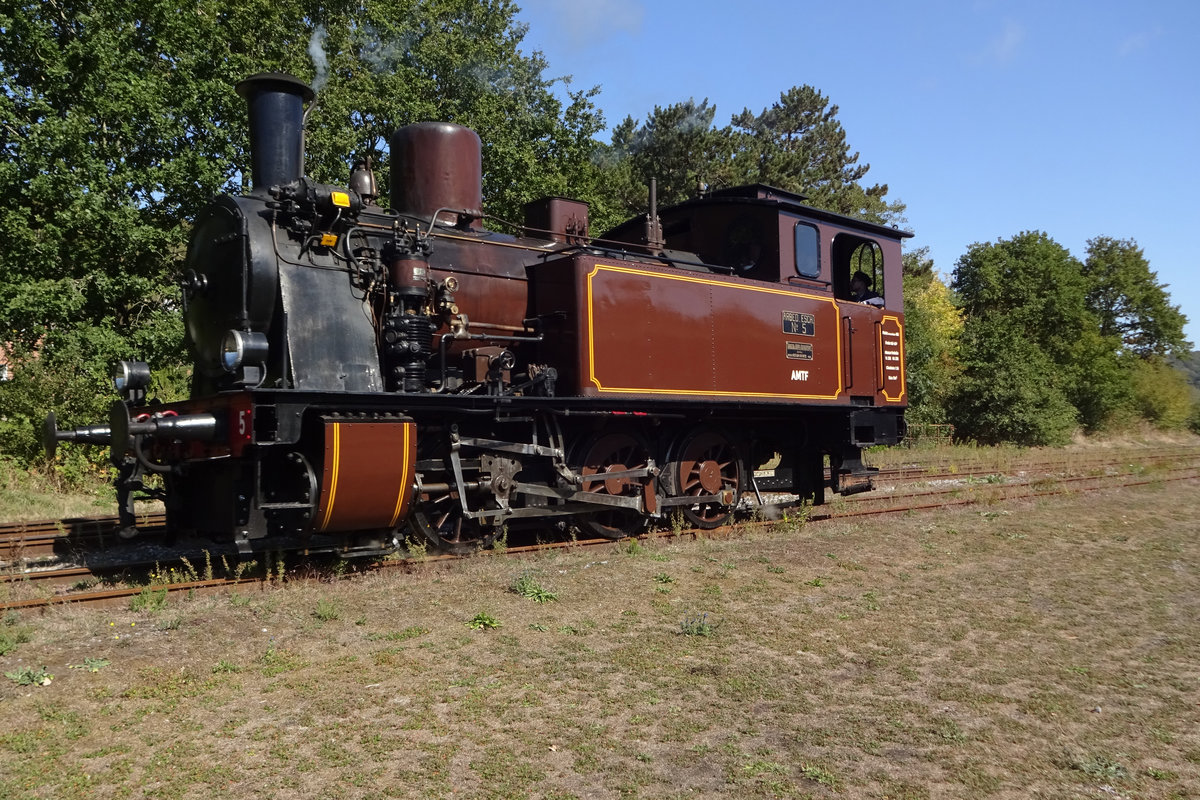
<point x="276" y="102"/>
<point x="436" y="166"/>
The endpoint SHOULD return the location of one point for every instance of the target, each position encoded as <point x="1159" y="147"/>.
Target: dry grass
<point x="1038" y="650"/>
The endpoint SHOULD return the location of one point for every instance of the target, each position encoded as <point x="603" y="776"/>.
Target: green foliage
<point x="697" y="625"/>
<point x="119" y="120"/>
<point x="819" y="774"/>
<point x="12" y="635"/>
<point x="483" y="621"/>
<point x="1010" y="391"/>
<point x="528" y="587"/>
<point x="1130" y="303"/>
<point x="1189" y="365"/>
<point x="28" y="676"/>
<point x="797" y="144"/>
<point x="1034" y="361"/>
<point x="327" y="610"/>
<point x="676" y="145"/>
<point x="932" y="329"/>
<point x="149" y="600"/>
<point x="92" y="664"/>
<point x="1161" y="394"/>
<point x="1050" y="342"/>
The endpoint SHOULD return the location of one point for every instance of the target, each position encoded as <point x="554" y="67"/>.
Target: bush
<point x="1009" y="392"/>
<point x="1162" y="396"/>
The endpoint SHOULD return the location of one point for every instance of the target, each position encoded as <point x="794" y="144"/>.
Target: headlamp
<point x="242" y="348"/>
<point x="130" y="376"/>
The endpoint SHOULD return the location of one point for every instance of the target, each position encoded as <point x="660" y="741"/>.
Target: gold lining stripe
<point x="403" y="477"/>
<point x="333" y="476"/>
<point x="903" y="373"/>
<point x="706" y="282"/>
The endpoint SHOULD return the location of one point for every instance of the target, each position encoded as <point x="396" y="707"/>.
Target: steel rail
<point x="1051" y="488"/>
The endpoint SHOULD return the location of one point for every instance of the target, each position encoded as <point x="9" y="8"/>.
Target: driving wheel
<point x="705" y="463"/>
<point x="610" y="454"/>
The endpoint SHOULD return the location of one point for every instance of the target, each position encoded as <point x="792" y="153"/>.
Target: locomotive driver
<point x="860" y="290"/>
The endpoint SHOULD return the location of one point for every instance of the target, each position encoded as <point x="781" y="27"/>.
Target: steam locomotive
<point x="361" y="373"/>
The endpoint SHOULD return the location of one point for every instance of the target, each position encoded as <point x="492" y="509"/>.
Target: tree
<point x="932" y="328"/>
<point x="1010" y="390"/>
<point x="1161" y="394"/>
<point x="677" y="147"/>
<point x="119" y="121"/>
<point x="1130" y="303"/>
<point x="798" y="144"/>
<point x="395" y="62"/>
<point x="1032" y="291"/>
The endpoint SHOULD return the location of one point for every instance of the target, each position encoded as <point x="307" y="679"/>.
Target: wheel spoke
<point x="613" y="452"/>
<point x="704" y="463"/>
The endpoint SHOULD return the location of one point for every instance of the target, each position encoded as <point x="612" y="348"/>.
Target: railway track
<point x="45" y="540"/>
<point x="39" y="588"/>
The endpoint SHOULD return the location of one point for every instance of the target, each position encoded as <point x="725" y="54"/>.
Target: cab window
<point x="808" y="254"/>
<point x="852" y="255"/>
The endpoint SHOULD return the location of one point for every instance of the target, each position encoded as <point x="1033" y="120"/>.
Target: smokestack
<point x="276" y="102"/>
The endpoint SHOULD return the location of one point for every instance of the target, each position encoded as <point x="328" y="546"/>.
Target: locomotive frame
<point x="360" y="370"/>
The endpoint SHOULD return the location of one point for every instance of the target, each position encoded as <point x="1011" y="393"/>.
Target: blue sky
<point x="987" y="119"/>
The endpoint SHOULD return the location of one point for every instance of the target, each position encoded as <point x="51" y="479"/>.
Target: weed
<point x="634" y="548"/>
<point x="339" y="569"/>
<point x="1100" y="767"/>
<point x="160" y="577"/>
<point x="949" y="731"/>
<point x="12" y="635"/>
<point x="327" y="610"/>
<point x="500" y="543"/>
<point x="189" y="572"/>
<point x="663" y="578"/>
<point x="537" y="626"/>
<point x="411" y="632"/>
<point x="697" y="625"/>
<point x="483" y="621"/>
<point x="775" y="569"/>
<point x="150" y="600"/>
<point x="28" y="676"/>
<point x="225" y="666"/>
<point x="818" y="774"/>
<point x="528" y="587"/>
<point x="417" y="547"/>
<point x="796" y="518"/>
<point x="276" y="661"/>
<point x="279" y="570"/>
<point x="92" y="664"/>
<point x="763" y="767"/>
<point x="815" y="582"/>
<point x="676" y="522"/>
